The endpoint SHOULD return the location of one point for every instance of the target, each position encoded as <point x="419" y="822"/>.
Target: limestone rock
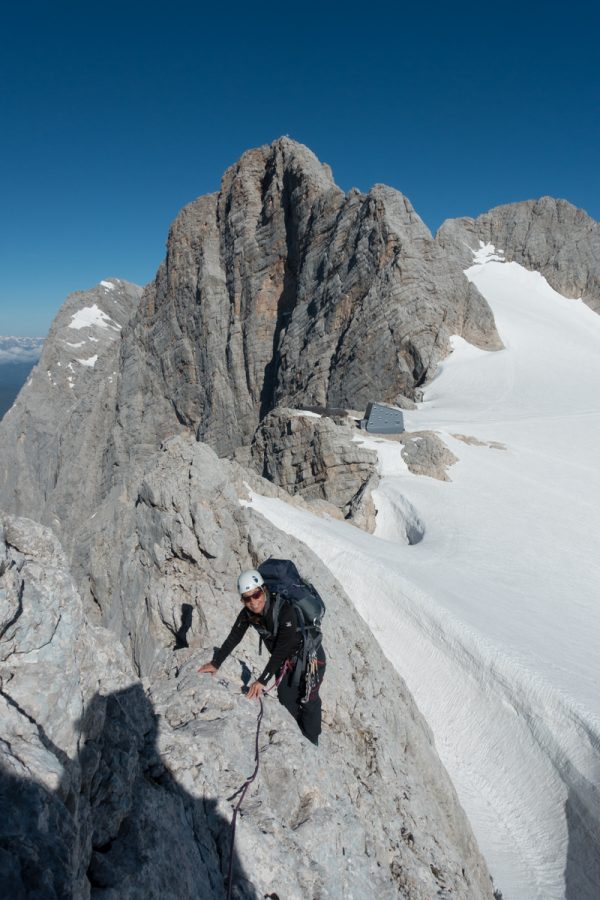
<point x="403" y="402"/>
<point x="53" y="440"/>
<point x="245" y="479"/>
<point x="282" y="290"/>
<point x="279" y="290"/>
<point x="88" y="806"/>
<point x="425" y="453"/>
<point x="316" y="458"/>
<point x="133" y="776"/>
<point x="546" y="235"/>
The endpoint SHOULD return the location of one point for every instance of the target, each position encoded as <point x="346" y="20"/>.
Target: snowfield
<point x="492" y="612"/>
<point x="90" y="317"/>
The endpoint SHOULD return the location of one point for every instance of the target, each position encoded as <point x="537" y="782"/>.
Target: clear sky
<point x="115" y="115"/>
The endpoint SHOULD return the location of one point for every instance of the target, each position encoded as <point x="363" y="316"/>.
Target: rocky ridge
<point x="127" y="764"/>
<point x="89" y="807"/>
<point x="244" y="316"/>
<point x="53" y="440"/>
<point x="546" y="235"/>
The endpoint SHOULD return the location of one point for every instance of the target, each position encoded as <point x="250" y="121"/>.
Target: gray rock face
<point x="137" y="803"/>
<point x="425" y="453"/>
<point x="53" y="440"/>
<point x="316" y="458"/>
<point x="79" y="769"/>
<point x="547" y="235"/>
<point x="281" y="290"/>
<point x="278" y="290"/>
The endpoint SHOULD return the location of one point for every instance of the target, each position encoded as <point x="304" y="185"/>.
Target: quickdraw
<point x="311" y="677"/>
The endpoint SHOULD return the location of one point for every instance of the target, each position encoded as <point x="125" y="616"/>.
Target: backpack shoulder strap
<point x="277" y="602"/>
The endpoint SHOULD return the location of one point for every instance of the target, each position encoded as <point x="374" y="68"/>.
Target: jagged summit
<point x="283" y="290"/>
<point x="284" y="153"/>
<point x="63" y="405"/>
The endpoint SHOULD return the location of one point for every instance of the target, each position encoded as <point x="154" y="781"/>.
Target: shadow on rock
<point x="118" y="825"/>
<point x="186" y="623"/>
<point x="582" y="872"/>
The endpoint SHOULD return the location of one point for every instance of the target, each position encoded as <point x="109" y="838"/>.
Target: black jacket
<point x="285" y="645"/>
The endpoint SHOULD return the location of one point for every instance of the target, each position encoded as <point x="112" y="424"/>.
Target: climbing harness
<point x="311" y="677"/>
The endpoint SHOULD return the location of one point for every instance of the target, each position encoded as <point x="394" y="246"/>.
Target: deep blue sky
<point x="116" y="115"/>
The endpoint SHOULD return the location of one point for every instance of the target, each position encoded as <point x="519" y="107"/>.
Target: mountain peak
<point x="283" y="154"/>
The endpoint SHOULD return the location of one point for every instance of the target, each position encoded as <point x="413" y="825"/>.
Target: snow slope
<point x="493" y="618"/>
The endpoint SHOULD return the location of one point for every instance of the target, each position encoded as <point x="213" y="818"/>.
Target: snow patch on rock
<point x="487" y="253"/>
<point x="92" y="316"/>
<point x="91" y="361"/>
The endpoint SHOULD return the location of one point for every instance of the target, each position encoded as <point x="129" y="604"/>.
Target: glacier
<point x="493" y="616"/>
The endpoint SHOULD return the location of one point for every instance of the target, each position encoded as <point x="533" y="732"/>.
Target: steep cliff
<point x="281" y="290"/>
<point x="53" y="440"/>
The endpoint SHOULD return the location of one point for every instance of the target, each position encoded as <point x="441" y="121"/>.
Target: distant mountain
<point x="18" y="355"/>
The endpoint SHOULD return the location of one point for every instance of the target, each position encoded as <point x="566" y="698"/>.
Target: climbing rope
<point x="241" y="792"/>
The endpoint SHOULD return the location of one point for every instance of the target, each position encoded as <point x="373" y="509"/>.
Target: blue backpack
<point x="284" y="582"/>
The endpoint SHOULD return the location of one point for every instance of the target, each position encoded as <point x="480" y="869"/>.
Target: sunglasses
<point x="253" y="596"/>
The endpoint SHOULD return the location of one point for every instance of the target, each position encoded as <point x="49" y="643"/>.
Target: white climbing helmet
<point x="249" y="580"/>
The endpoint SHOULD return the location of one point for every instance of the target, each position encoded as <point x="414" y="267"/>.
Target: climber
<point x="279" y="623"/>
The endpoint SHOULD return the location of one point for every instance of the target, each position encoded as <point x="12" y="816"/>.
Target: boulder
<point x="317" y="458"/>
<point x="425" y="453"/>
